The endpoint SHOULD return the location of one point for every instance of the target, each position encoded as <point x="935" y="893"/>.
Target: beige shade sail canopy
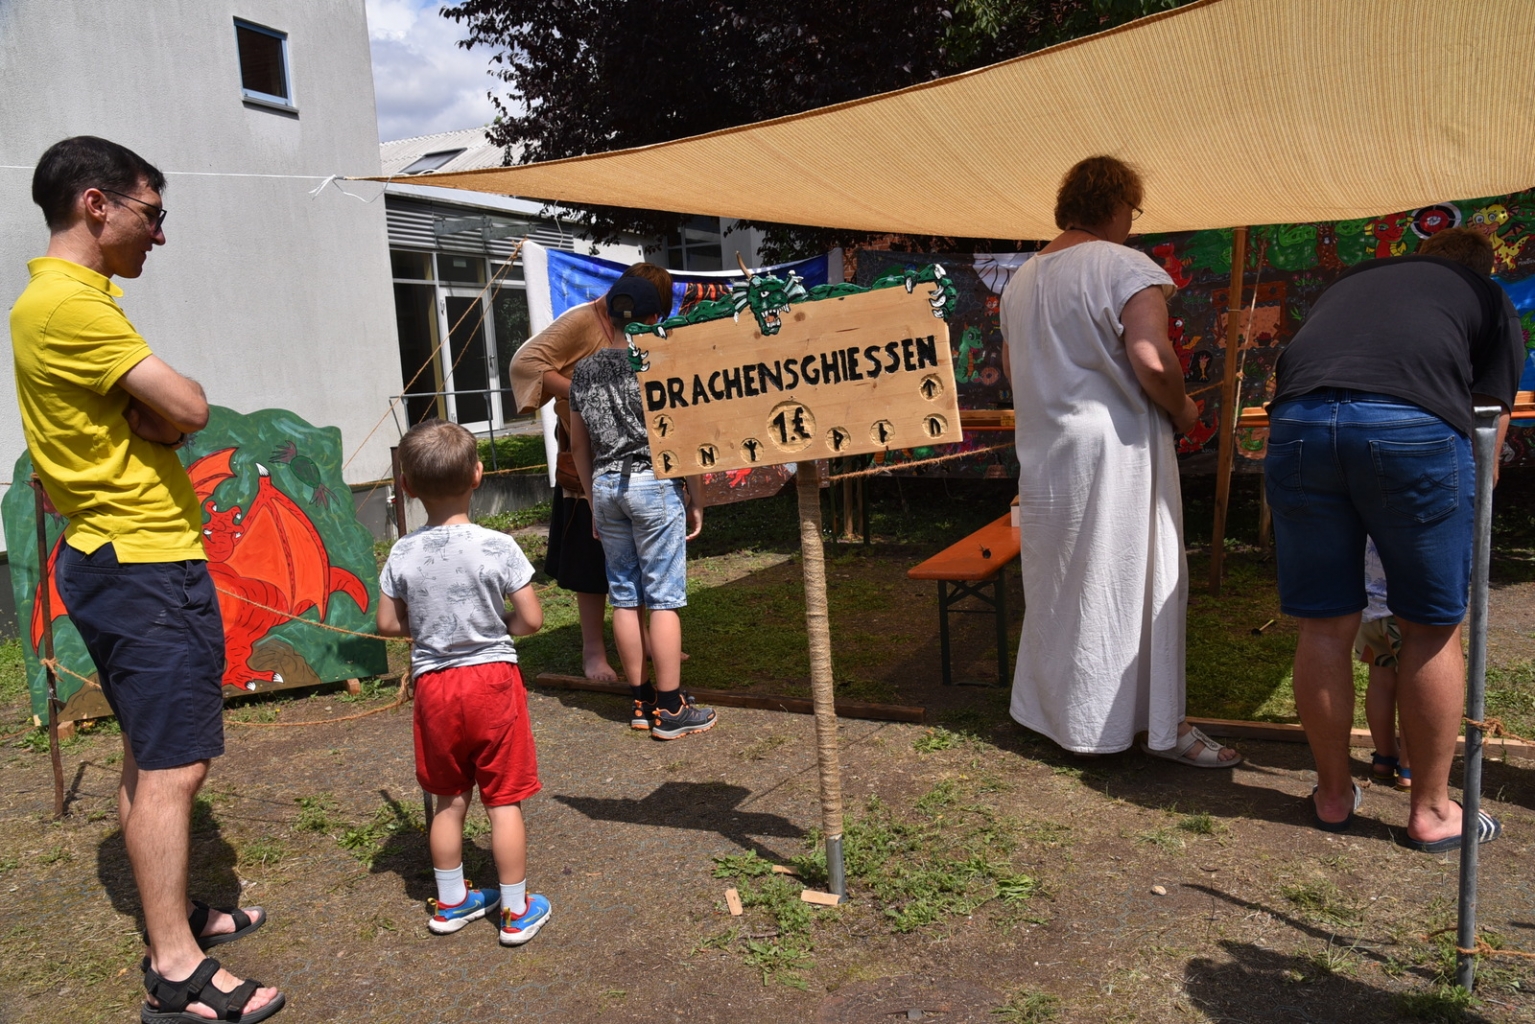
<point x="1235" y="111"/>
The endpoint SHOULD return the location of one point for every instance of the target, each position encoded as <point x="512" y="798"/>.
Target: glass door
<point x="466" y="359"/>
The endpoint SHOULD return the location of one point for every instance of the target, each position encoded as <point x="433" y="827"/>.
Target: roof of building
<point x="465" y="150"/>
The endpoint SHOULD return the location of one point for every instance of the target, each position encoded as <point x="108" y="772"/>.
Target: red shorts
<point x="472" y="730"/>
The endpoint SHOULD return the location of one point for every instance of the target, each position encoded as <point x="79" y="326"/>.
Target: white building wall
<point x="269" y="297"/>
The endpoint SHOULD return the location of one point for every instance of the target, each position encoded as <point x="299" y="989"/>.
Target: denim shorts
<point x="643" y="526"/>
<point x="155" y="633"/>
<point x="1342" y="465"/>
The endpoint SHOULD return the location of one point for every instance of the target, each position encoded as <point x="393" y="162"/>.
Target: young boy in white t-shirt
<point x="446" y="585"/>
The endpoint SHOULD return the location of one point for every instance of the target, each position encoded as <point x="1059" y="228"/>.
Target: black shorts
<point x="575" y="556"/>
<point x="154" y="631"/>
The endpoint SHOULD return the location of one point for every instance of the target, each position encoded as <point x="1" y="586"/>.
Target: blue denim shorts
<point x="1342" y="465"/>
<point x="643" y="525"/>
<point x="157" y="638"/>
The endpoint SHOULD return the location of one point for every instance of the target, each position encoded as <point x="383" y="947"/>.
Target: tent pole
<point x="55" y="706"/>
<point x="818" y="631"/>
<point x="1226" y="449"/>
<point x="1485" y="440"/>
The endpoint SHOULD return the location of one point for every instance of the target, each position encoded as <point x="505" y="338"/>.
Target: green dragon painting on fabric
<point x="768" y="297"/>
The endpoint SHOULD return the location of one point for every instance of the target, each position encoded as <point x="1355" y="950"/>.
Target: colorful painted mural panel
<point x="285" y="551"/>
<point x="1288" y="268"/>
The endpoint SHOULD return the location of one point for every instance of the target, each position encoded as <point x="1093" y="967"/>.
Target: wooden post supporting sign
<point x="850" y="375"/>
<point x="1226" y="450"/>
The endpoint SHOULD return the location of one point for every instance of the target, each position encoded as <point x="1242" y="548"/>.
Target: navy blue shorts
<point x="1342" y="465"/>
<point x="154" y="631"/>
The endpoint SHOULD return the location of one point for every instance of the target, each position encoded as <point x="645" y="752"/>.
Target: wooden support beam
<point x="727" y="699"/>
<point x="1227" y="436"/>
<point x="1285" y="732"/>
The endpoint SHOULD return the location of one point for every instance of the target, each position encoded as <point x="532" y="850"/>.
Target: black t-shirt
<point x="1415" y="327"/>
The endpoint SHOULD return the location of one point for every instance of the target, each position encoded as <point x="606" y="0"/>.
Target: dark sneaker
<point x="640" y="717"/>
<point x="668" y="725"/>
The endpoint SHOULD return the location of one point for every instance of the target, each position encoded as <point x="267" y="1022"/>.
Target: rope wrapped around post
<point x="818" y="632"/>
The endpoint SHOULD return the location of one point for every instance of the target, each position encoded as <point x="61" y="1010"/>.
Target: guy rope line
<point x="311" y="622"/>
<point x="875" y="471"/>
<point x="53" y="663"/>
<point x="1481" y="948"/>
<point x="394" y="402"/>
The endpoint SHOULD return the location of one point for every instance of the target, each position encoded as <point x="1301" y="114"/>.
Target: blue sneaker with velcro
<point x="476" y="904"/>
<point x="517" y="930"/>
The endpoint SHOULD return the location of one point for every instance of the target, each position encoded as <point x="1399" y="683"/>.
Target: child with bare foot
<point x="1377" y="644"/>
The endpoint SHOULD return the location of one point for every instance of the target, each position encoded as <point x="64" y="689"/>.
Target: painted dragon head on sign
<point x="767" y="297"/>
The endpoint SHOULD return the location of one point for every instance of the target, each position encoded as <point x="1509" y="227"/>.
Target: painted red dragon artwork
<point x="269" y="554"/>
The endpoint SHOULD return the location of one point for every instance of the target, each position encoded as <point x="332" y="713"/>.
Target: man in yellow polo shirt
<point x="102" y="417"/>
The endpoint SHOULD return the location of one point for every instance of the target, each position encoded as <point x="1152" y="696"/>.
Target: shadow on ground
<point x="1260" y="984"/>
<point x="703" y="806"/>
<point x="211" y="879"/>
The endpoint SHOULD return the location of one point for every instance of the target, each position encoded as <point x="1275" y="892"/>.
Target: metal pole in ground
<point x="818" y="630"/>
<point x="1484" y="443"/>
<point x="54" y="704"/>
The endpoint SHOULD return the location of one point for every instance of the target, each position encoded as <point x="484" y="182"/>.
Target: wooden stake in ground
<point x="55" y="706"/>
<point x="1226" y="449"/>
<point x="818" y="630"/>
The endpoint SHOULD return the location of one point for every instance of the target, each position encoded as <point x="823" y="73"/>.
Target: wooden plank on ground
<point x="724" y="698"/>
<point x="733" y="901"/>
<point x="1285" y="732"/>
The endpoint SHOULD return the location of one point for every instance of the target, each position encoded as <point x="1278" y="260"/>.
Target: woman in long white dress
<point x="1098" y="392"/>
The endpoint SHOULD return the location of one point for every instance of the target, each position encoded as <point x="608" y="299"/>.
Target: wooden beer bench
<point x="971" y="568"/>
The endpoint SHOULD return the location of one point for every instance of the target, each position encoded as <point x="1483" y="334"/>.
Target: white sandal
<point x="1209" y="757"/>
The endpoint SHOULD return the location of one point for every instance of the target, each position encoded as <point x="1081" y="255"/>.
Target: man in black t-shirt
<point x="1370" y="436"/>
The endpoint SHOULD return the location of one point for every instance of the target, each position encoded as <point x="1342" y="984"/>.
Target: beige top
<point x="577" y="333"/>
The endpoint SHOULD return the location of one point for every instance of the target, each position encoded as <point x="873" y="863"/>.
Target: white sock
<point x="450" y="886"/>
<point x="514" y="897"/>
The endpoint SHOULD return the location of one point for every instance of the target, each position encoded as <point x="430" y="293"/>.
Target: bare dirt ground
<point x="993" y="878"/>
<point x="1156" y="893"/>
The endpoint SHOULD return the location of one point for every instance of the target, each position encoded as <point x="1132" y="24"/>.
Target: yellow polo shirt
<point x="72" y="344"/>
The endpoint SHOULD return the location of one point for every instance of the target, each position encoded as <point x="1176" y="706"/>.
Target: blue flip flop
<point x="1488" y="828"/>
<point x="1336" y="826"/>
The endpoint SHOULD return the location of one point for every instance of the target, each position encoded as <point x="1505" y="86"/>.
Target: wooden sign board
<point x="845" y="376"/>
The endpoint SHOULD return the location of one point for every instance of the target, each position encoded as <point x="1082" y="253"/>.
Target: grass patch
<point x="1201" y="824"/>
<point x="366" y="841"/>
<point x="1321" y="900"/>
<point x="265" y="852"/>
<point x="1162" y="837"/>
<point x="915" y="872"/>
<point x="515" y="518"/>
<point x="316" y="813"/>
<point x="934" y="740"/>
<point x="371" y="688"/>
<point x="13" y="674"/>
<point x="1442" y="1003"/>
<point x="1029" y="1006"/>
<point x="513" y="451"/>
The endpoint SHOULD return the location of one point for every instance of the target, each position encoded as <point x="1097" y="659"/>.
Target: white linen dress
<point x="1105" y="581"/>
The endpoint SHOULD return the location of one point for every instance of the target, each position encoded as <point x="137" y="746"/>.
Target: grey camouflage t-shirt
<point x="454" y="581"/>
<point x="603" y="389"/>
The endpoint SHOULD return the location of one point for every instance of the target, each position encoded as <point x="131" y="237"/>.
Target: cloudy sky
<point x="423" y="82"/>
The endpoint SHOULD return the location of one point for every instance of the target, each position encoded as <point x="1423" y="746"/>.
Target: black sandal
<point x="243" y="924"/>
<point x="175" y="996"/>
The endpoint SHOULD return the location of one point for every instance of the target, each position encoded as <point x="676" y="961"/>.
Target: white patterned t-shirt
<point x="454" y="581"/>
